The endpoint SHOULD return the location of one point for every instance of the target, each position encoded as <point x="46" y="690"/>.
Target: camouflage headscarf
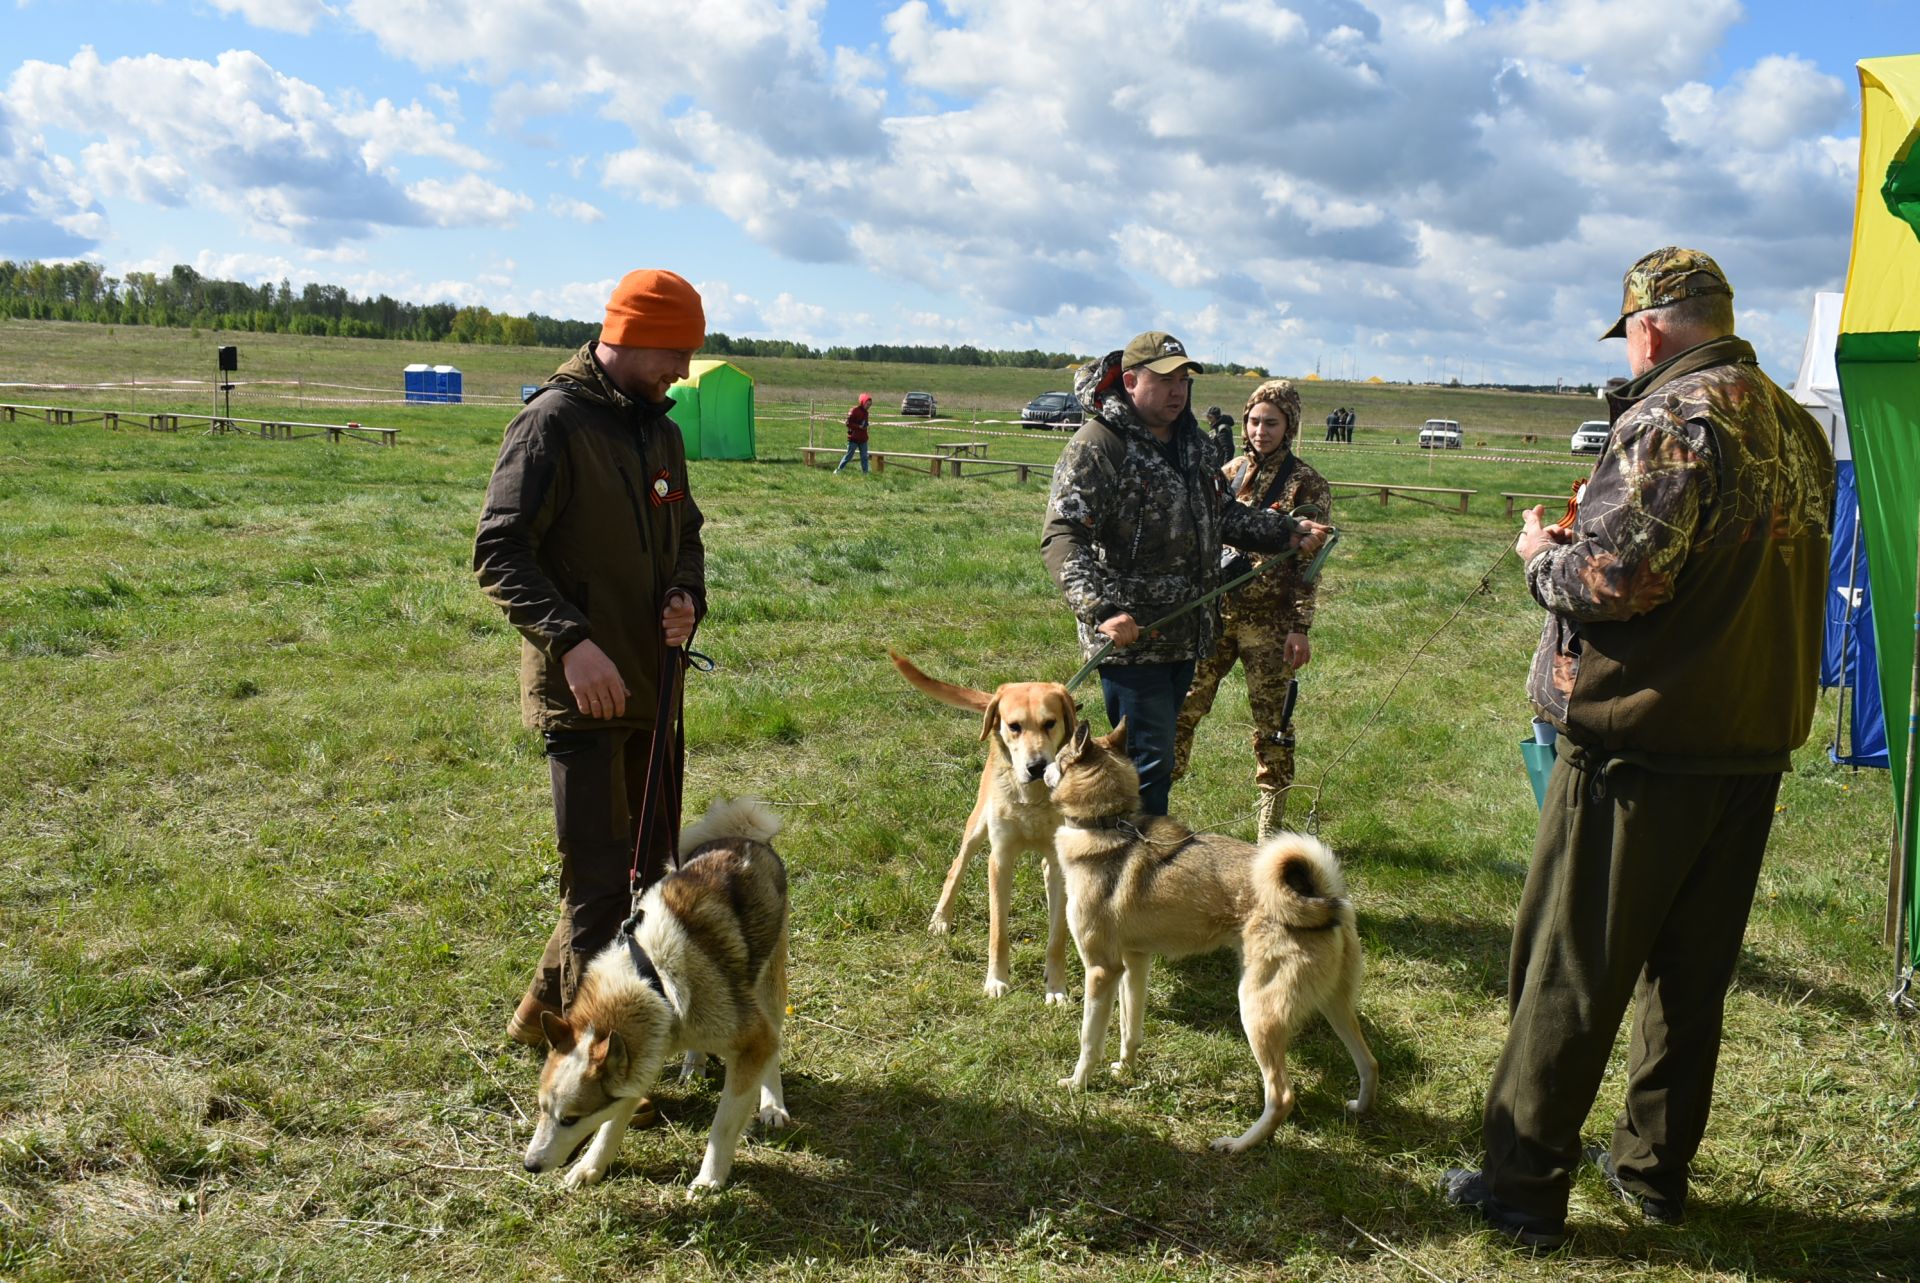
<point x="1281" y="393"/>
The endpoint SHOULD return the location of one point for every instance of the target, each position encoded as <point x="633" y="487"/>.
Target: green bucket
<point x="1539" y="763"/>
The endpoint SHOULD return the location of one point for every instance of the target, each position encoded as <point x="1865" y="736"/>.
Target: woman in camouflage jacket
<point x="1264" y="622"/>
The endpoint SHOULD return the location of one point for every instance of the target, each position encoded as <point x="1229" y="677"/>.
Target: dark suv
<point x="917" y="403"/>
<point x="1052" y="410"/>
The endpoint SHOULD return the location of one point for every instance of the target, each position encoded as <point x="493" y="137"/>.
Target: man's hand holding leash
<point x="676" y="618"/>
<point x="1122" y="630"/>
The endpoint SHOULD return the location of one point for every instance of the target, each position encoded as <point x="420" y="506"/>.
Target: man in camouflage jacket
<point x="1133" y="531"/>
<point x="1264" y="622"/>
<point x="1679" y="661"/>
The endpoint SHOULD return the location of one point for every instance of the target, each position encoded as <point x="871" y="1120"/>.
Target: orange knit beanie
<point x="652" y="308"/>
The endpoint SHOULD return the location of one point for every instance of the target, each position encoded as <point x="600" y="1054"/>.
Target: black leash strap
<point x="656" y="845"/>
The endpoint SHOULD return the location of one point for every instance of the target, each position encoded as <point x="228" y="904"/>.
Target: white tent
<point x="1818" y="384"/>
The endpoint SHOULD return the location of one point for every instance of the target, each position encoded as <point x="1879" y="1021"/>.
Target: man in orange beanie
<point x="590" y="543"/>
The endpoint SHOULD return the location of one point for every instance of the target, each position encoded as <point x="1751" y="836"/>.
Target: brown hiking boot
<point x="525" y="1028"/>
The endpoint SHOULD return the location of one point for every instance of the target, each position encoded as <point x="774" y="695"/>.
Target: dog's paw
<point x="1229" y="1145"/>
<point x="995" y="987"/>
<point x="1122" y="1069"/>
<point x="939" y="926"/>
<point x="704" y="1184"/>
<point x="693" y="1066"/>
<point x="1356" y="1107"/>
<point x="773" y="1117"/>
<point x="584" y="1173"/>
<point x="1074" y="1081"/>
<point x="1059" y="998"/>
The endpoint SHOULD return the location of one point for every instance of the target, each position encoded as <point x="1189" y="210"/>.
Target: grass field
<point x="275" y="857"/>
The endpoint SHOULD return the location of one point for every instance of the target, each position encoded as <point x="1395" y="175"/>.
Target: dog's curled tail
<point x="731" y="817"/>
<point x="1298" y="881"/>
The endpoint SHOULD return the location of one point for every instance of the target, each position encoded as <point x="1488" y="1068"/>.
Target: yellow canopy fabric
<point x="1883" y="279"/>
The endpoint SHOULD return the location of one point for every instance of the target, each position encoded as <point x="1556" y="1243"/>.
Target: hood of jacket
<point x="582" y="375"/>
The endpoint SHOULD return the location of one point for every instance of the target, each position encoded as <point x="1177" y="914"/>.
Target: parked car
<point x="918" y="403"/>
<point x="1440" y="434"/>
<point x="1590" y="437"/>
<point x="1052" y="410"/>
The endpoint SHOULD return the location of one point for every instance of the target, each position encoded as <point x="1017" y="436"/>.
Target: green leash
<point x="1310" y="575"/>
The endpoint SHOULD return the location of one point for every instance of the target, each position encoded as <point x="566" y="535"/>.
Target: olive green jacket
<point x="588" y="524"/>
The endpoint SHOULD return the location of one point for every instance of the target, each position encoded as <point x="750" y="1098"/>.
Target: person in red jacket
<point x="857" y="432"/>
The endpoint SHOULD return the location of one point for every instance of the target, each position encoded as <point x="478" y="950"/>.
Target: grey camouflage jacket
<point x="1127" y="531"/>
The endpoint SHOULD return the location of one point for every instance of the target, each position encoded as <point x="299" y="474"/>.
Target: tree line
<point x="183" y="298"/>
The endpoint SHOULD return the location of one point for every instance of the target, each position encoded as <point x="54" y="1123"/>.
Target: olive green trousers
<point x="1639" y="891"/>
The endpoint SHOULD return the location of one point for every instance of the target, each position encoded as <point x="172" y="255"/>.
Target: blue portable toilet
<point x="446" y="379"/>
<point x="419" y="382"/>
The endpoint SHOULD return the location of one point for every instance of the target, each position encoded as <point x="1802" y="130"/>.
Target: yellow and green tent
<point x="714" y="407"/>
<point x="1878" y="356"/>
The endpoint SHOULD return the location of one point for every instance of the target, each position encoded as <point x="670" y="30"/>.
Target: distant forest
<point x="80" y="291"/>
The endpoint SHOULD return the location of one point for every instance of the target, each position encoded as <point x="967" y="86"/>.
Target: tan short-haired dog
<point x="1025" y="723"/>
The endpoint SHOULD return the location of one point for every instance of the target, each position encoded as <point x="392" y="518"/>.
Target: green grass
<point x="275" y="858"/>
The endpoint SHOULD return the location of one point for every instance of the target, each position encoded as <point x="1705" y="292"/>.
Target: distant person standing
<point x="857" y="432"/>
<point x="1679" y="660"/>
<point x="1133" y="531"/>
<point x="1333" y="425"/>
<point x="1220" y="430"/>
<point x="1347" y="418"/>
<point x="590" y="543"/>
<point x="1264" y="622"/>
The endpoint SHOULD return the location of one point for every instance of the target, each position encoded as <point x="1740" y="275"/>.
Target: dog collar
<point x="1101" y="824"/>
<point x="643" y="965"/>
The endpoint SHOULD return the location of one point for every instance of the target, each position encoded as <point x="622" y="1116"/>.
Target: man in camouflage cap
<point x="1679" y="661"/>
<point x="1264" y="622"/>
<point x="1133" y="531"/>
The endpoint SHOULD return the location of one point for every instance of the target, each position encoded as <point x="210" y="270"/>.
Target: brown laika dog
<point x="1140" y="886"/>
<point x="1025" y="724"/>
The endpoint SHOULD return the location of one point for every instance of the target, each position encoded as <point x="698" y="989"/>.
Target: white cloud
<point x="577" y="211"/>
<point x="237" y="136"/>
<point x="297" y="16"/>
<point x="472" y="201"/>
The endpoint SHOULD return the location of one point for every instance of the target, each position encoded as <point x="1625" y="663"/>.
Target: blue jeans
<point x="1148" y="696"/>
<point x="847" y="458"/>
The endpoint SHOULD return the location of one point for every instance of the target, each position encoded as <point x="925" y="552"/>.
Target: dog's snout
<point x="1037" y="768"/>
<point x="531" y="1164"/>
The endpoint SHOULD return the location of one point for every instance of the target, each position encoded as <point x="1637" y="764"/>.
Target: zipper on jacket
<point x="639" y="513"/>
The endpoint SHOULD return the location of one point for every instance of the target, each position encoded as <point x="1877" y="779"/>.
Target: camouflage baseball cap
<point x="1158" y="351"/>
<point x="1667" y="276"/>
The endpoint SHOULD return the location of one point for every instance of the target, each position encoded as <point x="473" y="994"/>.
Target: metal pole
<point x="1902" y="965"/>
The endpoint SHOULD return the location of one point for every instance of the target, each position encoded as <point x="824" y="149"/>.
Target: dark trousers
<point x="1149" y="697"/>
<point x="1639" y="890"/>
<point x="599" y="780"/>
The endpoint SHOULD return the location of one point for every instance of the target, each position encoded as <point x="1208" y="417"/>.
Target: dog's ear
<point x="1071" y="711"/>
<point x="613" y="1056"/>
<point x="992" y="719"/>
<point x="1115" y="739"/>
<point x="559" y="1033"/>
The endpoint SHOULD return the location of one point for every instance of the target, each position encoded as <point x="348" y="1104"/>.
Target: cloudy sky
<point x="1408" y="188"/>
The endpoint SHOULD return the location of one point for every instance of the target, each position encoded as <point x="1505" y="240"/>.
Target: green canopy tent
<point x="1879" y="362"/>
<point x="714" y="407"/>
